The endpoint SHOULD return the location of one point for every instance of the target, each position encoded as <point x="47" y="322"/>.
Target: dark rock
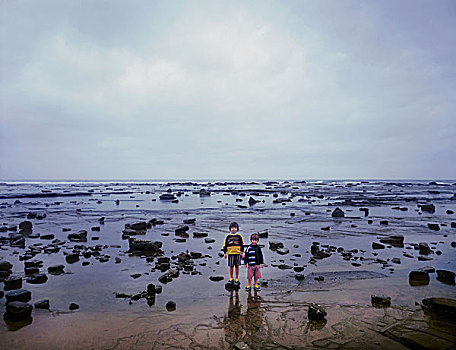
<point x="298" y="268"/>
<point x="396" y="260"/>
<point x="427" y="269"/>
<point x="138" y="226"/>
<point x="18" y="295"/>
<point x="5" y="265"/>
<point x="33" y="263"/>
<point x="252" y="201"/>
<point x="170" y="306"/>
<point x="196" y="255"/>
<point x="73" y="306"/>
<point x="189" y="221"/>
<point x="182" y="231"/>
<point x="325" y="228"/>
<point x="338" y="213"/>
<point x="263" y="234"/>
<point x="135" y="275"/>
<point x="299" y="277"/>
<point x="56" y="269"/>
<point x="434" y="227"/>
<point x="440" y="306"/>
<point x="25" y="226"/>
<point x="80" y="236"/>
<point x="453" y="225"/>
<point x="216" y="278"/>
<point x="319" y="278"/>
<point x="167" y="197"/>
<point x="395" y="241"/>
<point x="96" y="228"/>
<point x="384" y="222"/>
<point x="284" y="267"/>
<point x="445" y="276"/>
<point x="17" y="241"/>
<point x="47" y="236"/>
<point x="274" y="245"/>
<point x="13" y="282"/>
<point x="424" y="248"/>
<point x="42" y="304"/>
<point x="151" y="289"/>
<point x="283" y="251"/>
<point x="430" y="208"/>
<point x="365" y="210"/>
<point x="72" y="258"/>
<point x="380" y="301"/>
<point x="209" y="240"/>
<point x="31" y="270"/>
<point x="199" y="234"/>
<point x="418" y="278"/>
<point x="316" y="312"/>
<point x="18" y="311"/>
<point x="144" y="246"/>
<point x="183" y="257"/>
<point x="165" y="278"/>
<point x="39" y="278"/>
<point x="450" y="212"/>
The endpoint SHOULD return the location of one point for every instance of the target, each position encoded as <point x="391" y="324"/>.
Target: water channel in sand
<point x="207" y="315"/>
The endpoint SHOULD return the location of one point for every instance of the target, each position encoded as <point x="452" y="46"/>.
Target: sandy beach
<point x="139" y="265"/>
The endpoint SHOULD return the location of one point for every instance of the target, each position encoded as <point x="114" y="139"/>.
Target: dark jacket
<point x="253" y="255"/>
<point x="234" y="244"/>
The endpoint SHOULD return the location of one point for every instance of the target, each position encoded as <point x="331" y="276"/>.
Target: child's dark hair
<point x="234" y="224"/>
<point x="254" y="236"/>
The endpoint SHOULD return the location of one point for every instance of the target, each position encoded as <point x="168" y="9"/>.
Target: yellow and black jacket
<point x="234" y="244"/>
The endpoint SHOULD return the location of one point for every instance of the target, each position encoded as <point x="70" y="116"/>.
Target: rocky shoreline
<point x="155" y="247"/>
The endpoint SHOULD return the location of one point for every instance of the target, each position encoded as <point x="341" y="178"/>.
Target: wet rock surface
<point x="173" y="233"/>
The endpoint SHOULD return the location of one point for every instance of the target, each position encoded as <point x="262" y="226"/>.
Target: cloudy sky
<point x="227" y="89"/>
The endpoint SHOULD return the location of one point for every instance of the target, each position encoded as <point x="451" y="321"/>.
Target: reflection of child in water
<point x="233" y="327"/>
<point x="253" y="316"/>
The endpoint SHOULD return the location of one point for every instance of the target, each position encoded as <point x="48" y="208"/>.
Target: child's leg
<point x="231" y="272"/>
<point x="257" y="275"/>
<point x="237" y="272"/>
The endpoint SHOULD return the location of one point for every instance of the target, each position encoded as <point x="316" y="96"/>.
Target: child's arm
<point x="242" y="246"/>
<point x="224" y="247"/>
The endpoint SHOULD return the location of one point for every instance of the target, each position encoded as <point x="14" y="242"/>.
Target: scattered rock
<point x="170" y="306"/>
<point x="395" y="241"/>
<point x="424" y="248"/>
<point x="418" y="278"/>
<point x="274" y="245"/>
<point x="430" y="208"/>
<point x="446" y="276"/>
<point x="440" y="306"/>
<point x="56" y="269"/>
<point x="18" y="311"/>
<point x="316" y="312"/>
<point x="39" y="278"/>
<point x="42" y="304"/>
<point x="73" y="306"/>
<point x="380" y="300"/>
<point x="376" y="245"/>
<point x="209" y="240"/>
<point x="283" y="251"/>
<point x="434" y="227"/>
<point x="13" y="282"/>
<point x="200" y="234"/>
<point x="18" y="295"/>
<point x="72" y="258"/>
<point x="338" y="213"/>
<point x="167" y="197"/>
<point x="216" y="278"/>
<point x="80" y="236"/>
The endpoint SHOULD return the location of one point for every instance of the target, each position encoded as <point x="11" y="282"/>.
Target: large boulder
<point x="144" y="246"/>
<point x="444" y="276"/>
<point x="274" y="245"/>
<point x="395" y="241"/>
<point x="17" y="311"/>
<point x="18" y="295"/>
<point x="418" y="278"/>
<point x="440" y="306"/>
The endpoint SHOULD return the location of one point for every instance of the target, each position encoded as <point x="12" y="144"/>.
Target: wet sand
<point x="207" y="315"/>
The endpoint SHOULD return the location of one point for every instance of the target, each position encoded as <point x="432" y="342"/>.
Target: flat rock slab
<point x="337" y="277"/>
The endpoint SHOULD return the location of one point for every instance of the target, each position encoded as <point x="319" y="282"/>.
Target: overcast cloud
<point x="228" y="89"/>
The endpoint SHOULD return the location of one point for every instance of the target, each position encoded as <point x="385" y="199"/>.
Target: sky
<point x="126" y="90"/>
